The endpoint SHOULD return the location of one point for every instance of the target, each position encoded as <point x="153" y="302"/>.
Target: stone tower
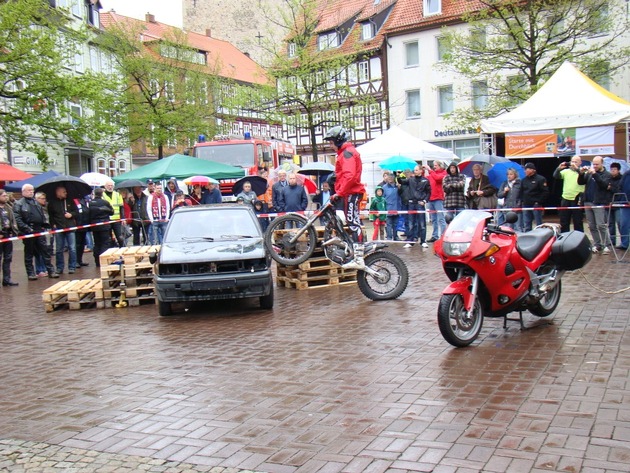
<point x="242" y="23"/>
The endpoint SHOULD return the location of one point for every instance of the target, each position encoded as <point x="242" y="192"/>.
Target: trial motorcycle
<point x="495" y="271"/>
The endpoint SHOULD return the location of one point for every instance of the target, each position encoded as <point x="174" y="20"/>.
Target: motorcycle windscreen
<point x="463" y="226"/>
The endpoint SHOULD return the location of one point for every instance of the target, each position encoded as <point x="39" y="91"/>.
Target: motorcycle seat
<point x="529" y="244"/>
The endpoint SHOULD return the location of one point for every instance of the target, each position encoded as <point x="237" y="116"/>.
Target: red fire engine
<point x="246" y="152"/>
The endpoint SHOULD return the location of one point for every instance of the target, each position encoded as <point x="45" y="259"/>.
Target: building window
<point x="367" y="30"/>
<point x="375" y="115"/>
<point x="328" y="40"/>
<point x="412" y="54"/>
<point x="359" y="117"/>
<point x="95" y="59"/>
<point x="364" y="71"/>
<point x="77" y="7"/>
<point x="478" y="39"/>
<point x="76" y="112"/>
<point x="100" y="166"/>
<point x="122" y="166"/>
<point x="154" y="87"/>
<point x="79" y="65"/>
<point x="479" y="94"/>
<point x="432" y="7"/>
<point x="413" y="103"/>
<point x="112" y="169"/>
<point x="466" y="148"/>
<point x="442" y="48"/>
<point x="445" y="98"/>
<point x="169" y="91"/>
<point x="291" y="49"/>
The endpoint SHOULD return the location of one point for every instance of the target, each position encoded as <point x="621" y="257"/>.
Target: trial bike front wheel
<point x="391" y="280"/>
<point x="284" y="244"/>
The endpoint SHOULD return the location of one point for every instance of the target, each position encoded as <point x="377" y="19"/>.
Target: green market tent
<point x="180" y="166"/>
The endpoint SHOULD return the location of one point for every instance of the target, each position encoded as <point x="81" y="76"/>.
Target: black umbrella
<point x="130" y="183"/>
<point x="259" y="185"/>
<point x="76" y="187"/>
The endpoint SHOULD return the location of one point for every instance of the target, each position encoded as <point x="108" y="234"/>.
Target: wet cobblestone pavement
<point x="327" y="381"/>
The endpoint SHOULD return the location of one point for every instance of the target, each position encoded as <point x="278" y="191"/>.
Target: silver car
<point x="212" y="252"/>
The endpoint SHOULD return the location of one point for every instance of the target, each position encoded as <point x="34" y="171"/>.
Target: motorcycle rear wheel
<point x="278" y="235"/>
<point x="456" y="327"/>
<point x="548" y="303"/>
<point x="392" y="279"/>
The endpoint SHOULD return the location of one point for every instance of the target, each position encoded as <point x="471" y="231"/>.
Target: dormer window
<point x="432" y="7"/>
<point x="328" y="40"/>
<point x="291" y="49"/>
<point x="367" y="30"/>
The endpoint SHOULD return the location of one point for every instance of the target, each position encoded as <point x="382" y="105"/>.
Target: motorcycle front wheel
<point x="456" y="326"/>
<point x="392" y="278"/>
<point x="279" y="236"/>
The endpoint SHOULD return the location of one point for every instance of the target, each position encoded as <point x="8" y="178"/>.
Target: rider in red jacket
<point x="349" y="188"/>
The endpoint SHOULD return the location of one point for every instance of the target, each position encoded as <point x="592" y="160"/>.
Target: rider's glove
<point x="335" y="198"/>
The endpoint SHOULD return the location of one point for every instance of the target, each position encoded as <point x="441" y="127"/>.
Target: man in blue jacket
<point x="293" y="197"/>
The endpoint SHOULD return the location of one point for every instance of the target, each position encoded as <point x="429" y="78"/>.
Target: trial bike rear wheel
<point x="281" y="243"/>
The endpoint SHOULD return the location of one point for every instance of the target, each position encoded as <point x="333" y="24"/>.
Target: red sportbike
<point x="495" y="271"/>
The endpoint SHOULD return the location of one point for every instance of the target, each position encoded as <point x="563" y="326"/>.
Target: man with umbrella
<point x="63" y="214"/>
<point x="30" y="218"/>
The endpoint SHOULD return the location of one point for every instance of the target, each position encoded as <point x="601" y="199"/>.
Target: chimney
<point x="149" y="18"/>
<point x="209" y="32"/>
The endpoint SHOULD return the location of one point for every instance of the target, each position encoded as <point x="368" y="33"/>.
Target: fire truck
<point x="244" y="151"/>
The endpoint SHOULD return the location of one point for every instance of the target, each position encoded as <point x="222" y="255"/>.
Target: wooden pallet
<point x="307" y="274"/>
<point x="128" y="255"/>
<point x="74" y="295"/>
<point x="317" y="281"/>
<point x="113" y="271"/>
<point x="142" y="291"/>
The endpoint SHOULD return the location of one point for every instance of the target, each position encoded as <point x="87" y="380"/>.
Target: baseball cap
<point x="149" y="181"/>
<point x="530" y="166"/>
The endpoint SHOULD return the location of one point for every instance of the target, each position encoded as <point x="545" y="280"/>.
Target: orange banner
<point x="543" y="143"/>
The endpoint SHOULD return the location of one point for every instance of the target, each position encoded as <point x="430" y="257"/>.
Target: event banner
<point x="562" y="142"/>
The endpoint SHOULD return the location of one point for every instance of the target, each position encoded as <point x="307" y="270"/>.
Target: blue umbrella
<point x="397" y="163"/>
<point x="34" y="181"/>
<point x="624" y="164"/>
<point x="498" y="173"/>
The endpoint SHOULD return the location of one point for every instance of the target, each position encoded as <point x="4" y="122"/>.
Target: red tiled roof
<point x="408" y="15"/>
<point x="231" y="62"/>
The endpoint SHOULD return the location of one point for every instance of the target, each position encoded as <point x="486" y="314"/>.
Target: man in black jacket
<point x="597" y="195"/>
<point x="30" y="218"/>
<point x="8" y="229"/>
<point x="63" y="213"/>
<point x="534" y="192"/>
<point x="415" y="191"/>
<point x="100" y="211"/>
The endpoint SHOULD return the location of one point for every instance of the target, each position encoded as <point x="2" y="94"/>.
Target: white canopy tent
<point x="396" y="142"/>
<point x="569" y="99"/>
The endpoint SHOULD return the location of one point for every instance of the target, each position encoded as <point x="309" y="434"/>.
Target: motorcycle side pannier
<point x="572" y="250"/>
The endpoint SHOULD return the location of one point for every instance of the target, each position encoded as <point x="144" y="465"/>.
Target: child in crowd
<point x="378" y="204"/>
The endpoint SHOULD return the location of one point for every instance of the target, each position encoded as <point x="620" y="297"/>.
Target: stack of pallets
<point x="128" y="270"/>
<point x="122" y="269"/>
<point x="317" y="271"/>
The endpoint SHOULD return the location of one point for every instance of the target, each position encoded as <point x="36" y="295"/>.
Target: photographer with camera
<point x="572" y="194"/>
<point x="596" y="195"/>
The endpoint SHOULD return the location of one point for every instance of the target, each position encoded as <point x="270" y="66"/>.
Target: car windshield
<point x="212" y="225"/>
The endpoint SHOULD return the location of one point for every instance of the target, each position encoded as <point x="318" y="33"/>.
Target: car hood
<point x="208" y="251"/>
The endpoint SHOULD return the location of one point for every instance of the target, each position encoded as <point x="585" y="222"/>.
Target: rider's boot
<point x="357" y="262"/>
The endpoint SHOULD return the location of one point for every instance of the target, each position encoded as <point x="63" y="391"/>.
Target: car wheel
<point x="164" y="308"/>
<point x="266" y="302"/>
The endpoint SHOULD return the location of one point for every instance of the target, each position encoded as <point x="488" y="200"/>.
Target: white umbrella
<point x="95" y="179"/>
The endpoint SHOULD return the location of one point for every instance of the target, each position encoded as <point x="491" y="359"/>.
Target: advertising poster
<point x="561" y="142"/>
